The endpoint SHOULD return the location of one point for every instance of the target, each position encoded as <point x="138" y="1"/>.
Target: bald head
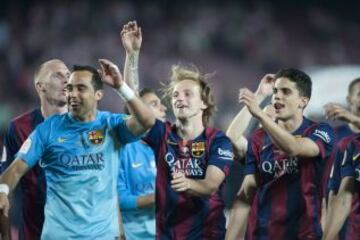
<point x="46" y="69"/>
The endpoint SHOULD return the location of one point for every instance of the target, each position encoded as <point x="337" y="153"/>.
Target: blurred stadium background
<point x="238" y="40"/>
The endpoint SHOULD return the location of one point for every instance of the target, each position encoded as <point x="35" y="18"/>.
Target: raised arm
<point x="142" y="118"/>
<point x="241" y="123"/>
<point x="131" y="39"/>
<point x="291" y="145"/>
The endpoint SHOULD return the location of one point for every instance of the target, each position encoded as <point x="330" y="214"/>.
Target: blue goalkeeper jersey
<point x="80" y="160"/>
<point x="137" y="178"/>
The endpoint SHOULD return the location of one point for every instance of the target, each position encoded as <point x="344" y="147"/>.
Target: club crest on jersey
<point x="96" y="137"/>
<point x="197" y="149"/>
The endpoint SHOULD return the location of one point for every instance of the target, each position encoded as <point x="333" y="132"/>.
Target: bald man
<point x="50" y="81"/>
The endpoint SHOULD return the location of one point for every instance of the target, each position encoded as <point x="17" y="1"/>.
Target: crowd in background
<point x="239" y="42"/>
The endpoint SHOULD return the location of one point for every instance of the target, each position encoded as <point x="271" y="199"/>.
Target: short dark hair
<point x="352" y="84"/>
<point x="142" y="93"/>
<point x="95" y="80"/>
<point x="301" y="79"/>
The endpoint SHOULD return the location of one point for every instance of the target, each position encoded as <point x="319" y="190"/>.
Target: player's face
<point x="82" y="99"/>
<point x="186" y="100"/>
<point x="286" y="99"/>
<point x="354" y="99"/>
<point x="54" y="83"/>
<point x="154" y="103"/>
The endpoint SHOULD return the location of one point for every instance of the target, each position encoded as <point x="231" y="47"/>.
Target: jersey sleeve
<point x="323" y="135"/>
<point x="155" y="135"/>
<point x="345" y="157"/>
<point x="118" y="123"/>
<point x="221" y="154"/>
<point x="126" y="199"/>
<point x="334" y="179"/>
<point x="250" y="159"/>
<point x="10" y="148"/>
<point x="33" y="148"/>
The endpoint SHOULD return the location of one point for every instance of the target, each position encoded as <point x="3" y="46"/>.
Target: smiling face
<point x="287" y="100"/>
<point x="82" y="97"/>
<point x="186" y="100"/>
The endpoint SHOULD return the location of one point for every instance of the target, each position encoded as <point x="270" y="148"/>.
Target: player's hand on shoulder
<point x="110" y="73"/>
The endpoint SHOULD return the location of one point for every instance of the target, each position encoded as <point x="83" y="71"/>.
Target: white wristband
<point x="4" y="188"/>
<point x="126" y="93"/>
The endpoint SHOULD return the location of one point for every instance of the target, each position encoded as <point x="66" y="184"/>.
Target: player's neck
<point x="189" y="130"/>
<point x="291" y="124"/>
<point x="49" y="109"/>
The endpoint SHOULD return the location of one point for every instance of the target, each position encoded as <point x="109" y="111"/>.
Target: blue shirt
<point x="137" y="178"/>
<point x="80" y="160"/>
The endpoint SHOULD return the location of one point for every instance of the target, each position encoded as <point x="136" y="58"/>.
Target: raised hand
<point x="110" y="74"/>
<point x="334" y="111"/>
<point x="266" y="85"/>
<point x="131" y="37"/>
<point x="248" y="98"/>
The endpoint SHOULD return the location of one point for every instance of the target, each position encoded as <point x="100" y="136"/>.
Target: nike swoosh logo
<point x="136" y="165"/>
<point x="356" y="156"/>
<point x="61" y="140"/>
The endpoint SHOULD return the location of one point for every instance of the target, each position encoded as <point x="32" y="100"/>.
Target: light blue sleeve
<point x="118" y="123"/>
<point x="126" y="199"/>
<point x="33" y="148"/>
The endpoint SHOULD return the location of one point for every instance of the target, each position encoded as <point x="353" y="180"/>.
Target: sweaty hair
<point x="95" y="80"/>
<point x="352" y="84"/>
<point x="181" y="73"/>
<point x="142" y="93"/>
<point x="302" y="80"/>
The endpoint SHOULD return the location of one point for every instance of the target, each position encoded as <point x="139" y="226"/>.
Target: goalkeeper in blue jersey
<point x="79" y="154"/>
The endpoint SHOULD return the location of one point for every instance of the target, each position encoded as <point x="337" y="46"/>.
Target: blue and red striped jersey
<point x="333" y="166"/>
<point x="181" y="215"/>
<point x="347" y="155"/>
<point x="287" y="204"/>
<point x="33" y="187"/>
<point x="344" y="134"/>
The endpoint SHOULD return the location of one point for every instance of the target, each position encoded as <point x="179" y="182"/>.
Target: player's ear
<point x="39" y="86"/>
<point x="99" y="94"/>
<point x="304" y="102"/>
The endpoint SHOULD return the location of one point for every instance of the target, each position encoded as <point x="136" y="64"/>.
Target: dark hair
<point x="95" y="80"/>
<point x="142" y="93"/>
<point x="352" y="84"/>
<point x="302" y="80"/>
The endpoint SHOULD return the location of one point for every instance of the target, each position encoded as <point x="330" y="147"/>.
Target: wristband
<point x="126" y="93"/>
<point x="4" y="188"/>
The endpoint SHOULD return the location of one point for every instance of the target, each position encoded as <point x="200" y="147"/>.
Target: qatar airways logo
<point x="92" y="161"/>
<point x="281" y="167"/>
<point x="190" y="166"/>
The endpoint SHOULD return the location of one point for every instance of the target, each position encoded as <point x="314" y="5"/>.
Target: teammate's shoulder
<point x="25" y="117"/>
<point x="343" y="143"/>
<point x="104" y="115"/>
